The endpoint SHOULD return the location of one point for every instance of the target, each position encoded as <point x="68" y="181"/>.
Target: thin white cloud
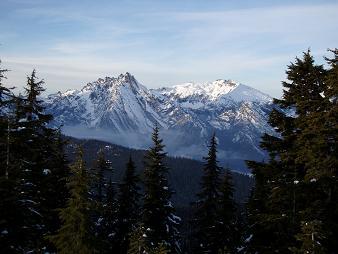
<point x="163" y="47"/>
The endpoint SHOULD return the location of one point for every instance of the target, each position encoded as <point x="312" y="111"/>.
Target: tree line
<point x="48" y="205"/>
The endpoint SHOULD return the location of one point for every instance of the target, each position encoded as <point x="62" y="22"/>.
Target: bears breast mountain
<point x="123" y="111"/>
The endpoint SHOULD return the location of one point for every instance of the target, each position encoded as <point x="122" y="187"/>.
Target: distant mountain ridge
<point x="123" y="111"/>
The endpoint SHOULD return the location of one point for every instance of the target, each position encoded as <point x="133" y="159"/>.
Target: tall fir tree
<point x="9" y="206"/>
<point x="110" y="217"/>
<point x="158" y="217"/>
<point x="207" y="207"/>
<point x="128" y="207"/>
<point x="329" y="147"/>
<point x="32" y="159"/>
<point x="54" y="183"/>
<point x="104" y="212"/>
<point x="75" y="236"/>
<point x="137" y="241"/>
<point x="40" y="167"/>
<point x="319" y="136"/>
<point x="227" y="223"/>
<point x="281" y="201"/>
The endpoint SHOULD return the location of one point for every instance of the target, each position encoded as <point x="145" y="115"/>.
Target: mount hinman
<point x="123" y="111"/>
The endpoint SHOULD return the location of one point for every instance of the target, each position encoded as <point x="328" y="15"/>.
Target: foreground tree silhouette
<point x="207" y="213"/>
<point x="74" y="235"/>
<point x="295" y="188"/>
<point x="215" y="226"/>
<point x="9" y="175"/>
<point x="40" y="166"/>
<point x="128" y="210"/>
<point x="227" y="223"/>
<point x="158" y="219"/>
<point x="103" y="211"/>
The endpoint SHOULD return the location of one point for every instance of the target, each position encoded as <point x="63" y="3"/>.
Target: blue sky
<point x="162" y="43"/>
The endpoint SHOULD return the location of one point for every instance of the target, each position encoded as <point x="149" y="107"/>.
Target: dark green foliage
<point x="74" y="236"/>
<point x="5" y="93"/>
<point x="103" y="212"/>
<point x="185" y="174"/>
<point x="137" y="242"/>
<point x="227" y="224"/>
<point x="184" y="177"/>
<point x="53" y="186"/>
<point x="295" y="189"/>
<point x="311" y="236"/>
<point x="327" y="146"/>
<point x="32" y="180"/>
<point x="41" y="168"/>
<point x="9" y="206"/>
<point x="128" y="210"/>
<point x="206" y="220"/>
<point x="215" y="225"/>
<point x="110" y="217"/>
<point x="159" y="222"/>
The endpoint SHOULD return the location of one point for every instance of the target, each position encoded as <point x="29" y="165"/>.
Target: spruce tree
<point x="311" y="238"/>
<point x="32" y="160"/>
<point x="328" y="147"/>
<point x="54" y="184"/>
<point x="227" y="225"/>
<point x="278" y="214"/>
<point x="158" y="217"/>
<point x="37" y="157"/>
<point x="137" y="242"/>
<point x="319" y="136"/>
<point x="9" y="207"/>
<point x="207" y="207"/>
<point x="128" y="207"/>
<point x="101" y="166"/>
<point x="104" y="210"/>
<point x="110" y="217"/>
<point x="74" y="235"/>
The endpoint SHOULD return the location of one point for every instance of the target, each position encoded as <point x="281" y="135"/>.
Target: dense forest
<point x="61" y="195"/>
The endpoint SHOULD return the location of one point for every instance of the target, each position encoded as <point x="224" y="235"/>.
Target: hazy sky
<point x="162" y="43"/>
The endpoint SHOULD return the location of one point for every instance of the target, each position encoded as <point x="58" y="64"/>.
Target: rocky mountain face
<point x="123" y="111"/>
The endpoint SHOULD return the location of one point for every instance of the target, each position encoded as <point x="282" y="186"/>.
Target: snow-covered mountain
<point x="123" y="111"/>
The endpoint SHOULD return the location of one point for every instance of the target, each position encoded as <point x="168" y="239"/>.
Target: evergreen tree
<point x="74" y="235"/>
<point x="110" y="217"/>
<point x="5" y="93"/>
<point x="32" y="161"/>
<point x="205" y="222"/>
<point x="128" y="207"/>
<point x="104" y="212"/>
<point x="158" y="217"/>
<point x="327" y="150"/>
<point x="161" y="249"/>
<point x="319" y="136"/>
<point x="9" y="207"/>
<point x="137" y="242"/>
<point x="310" y="237"/>
<point x="101" y="166"/>
<point x="281" y="197"/>
<point x="227" y="225"/>
<point x="54" y="183"/>
<point x="37" y="159"/>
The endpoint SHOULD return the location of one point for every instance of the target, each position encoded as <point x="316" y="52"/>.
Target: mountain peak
<point x="127" y="78"/>
<point x="122" y="80"/>
<point x="209" y="90"/>
<point x="123" y="110"/>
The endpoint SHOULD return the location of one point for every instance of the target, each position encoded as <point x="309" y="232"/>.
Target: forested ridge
<point x="60" y="195"/>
